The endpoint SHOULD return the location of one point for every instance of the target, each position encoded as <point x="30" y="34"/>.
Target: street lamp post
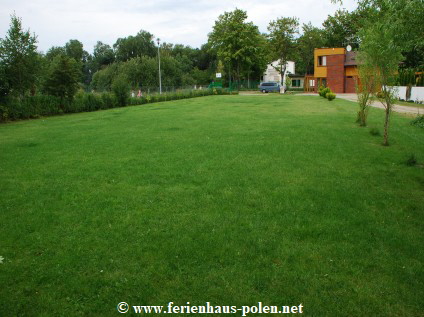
<point x="160" y="78"/>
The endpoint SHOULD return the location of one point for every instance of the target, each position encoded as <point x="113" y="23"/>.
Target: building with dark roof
<point x="335" y="68"/>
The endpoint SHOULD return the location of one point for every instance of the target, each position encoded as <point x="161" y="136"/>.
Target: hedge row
<point x="43" y="105"/>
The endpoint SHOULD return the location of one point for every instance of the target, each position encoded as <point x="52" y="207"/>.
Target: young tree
<point x="365" y="88"/>
<point x="282" y="44"/>
<point x="19" y="59"/>
<point x="379" y="51"/>
<point x="62" y="77"/>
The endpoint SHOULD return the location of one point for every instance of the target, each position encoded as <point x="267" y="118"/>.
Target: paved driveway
<point x="376" y="104"/>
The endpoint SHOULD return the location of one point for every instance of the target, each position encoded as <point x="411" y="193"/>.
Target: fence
<point x="409" y="93"/>
<point x="152" y="90"/>
<point x="244" y="85"/>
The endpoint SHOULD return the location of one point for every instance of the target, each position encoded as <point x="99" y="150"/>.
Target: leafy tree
<point x="63" y="77"/>
<point x="379" y="51"/>
<point x="342" y="29"/>
<point x="405" y="18"/>
<point x="200" y="77"/>
<point x="282" y="43"/>
<point x="4" y="84"/>
<point x="19" y="59"/>
<point x="102" y="55"/>
<point x="54" y="51"/>
<point x="133" y="46"/>
<point x="87" y="72"/>
<point x="237" y="43"/>
<point x="206" y="58"/>
<point x="75" y="49"/>
<point x="102" y="79"/>
<point x="311" y="38"/>
<point x="140" y="71"/>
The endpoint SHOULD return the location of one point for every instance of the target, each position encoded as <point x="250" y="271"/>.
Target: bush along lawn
<point x="231" y="200"/>
<point x="43" y="105"/>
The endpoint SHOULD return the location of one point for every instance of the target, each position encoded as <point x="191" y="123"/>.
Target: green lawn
<point x="231" y="200"/>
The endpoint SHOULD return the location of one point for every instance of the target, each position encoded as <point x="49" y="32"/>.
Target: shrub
<point x="4" y="113"/>
<point x="374" y="132"/>
<point x="45" y="105"/>
<point x="121" y="89"/>
<point x="323" y="91"/>
<point x="109" y="100"/>
<point x="411" y="161"/>
<point x="330" y="96"/>
<point x="418" y="121"/>
<point x="86" y="102"/>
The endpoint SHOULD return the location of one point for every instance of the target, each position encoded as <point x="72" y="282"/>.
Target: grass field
<point x="231" y="200"/>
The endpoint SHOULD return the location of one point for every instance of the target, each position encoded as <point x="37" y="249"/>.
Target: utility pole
<point x="160" y="78"/>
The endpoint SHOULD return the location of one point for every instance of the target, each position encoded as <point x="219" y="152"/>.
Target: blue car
<point x="269" y="87"/>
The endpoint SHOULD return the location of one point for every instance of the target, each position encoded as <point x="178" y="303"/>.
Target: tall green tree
<point x="18" y="59"/>
<point x="237" y="43"/>
<point x="54" y="51"/>
<point x="63" y="77"/>
<point x="102" y="55"/>
<point x="4" y="84"/>
<point x="404" y="17"/>
<point x="342" y="29"/>
<point x="282" y="42"/>
<point x="311" y="38"/>
<point x="75" y="49"/>
<point x="133" y="46"/>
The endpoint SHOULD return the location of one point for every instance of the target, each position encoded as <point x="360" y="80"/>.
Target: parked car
<point x="267" y="87"/>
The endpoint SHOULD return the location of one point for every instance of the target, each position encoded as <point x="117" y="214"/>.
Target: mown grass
<point x="232" y="200"/>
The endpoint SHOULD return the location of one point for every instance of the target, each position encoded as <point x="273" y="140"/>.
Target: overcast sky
<point x="178" y="22"/>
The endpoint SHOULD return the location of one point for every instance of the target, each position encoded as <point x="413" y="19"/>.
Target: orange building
<point x="335" y="68"/>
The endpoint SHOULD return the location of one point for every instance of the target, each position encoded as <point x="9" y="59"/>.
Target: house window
<point x="322" y="60"/>
<point x="295" y="82"/>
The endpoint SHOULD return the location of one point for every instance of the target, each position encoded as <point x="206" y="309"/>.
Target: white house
<point x="272" y="75"/>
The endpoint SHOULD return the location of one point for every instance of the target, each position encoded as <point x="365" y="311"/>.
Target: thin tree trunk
<point x="386" y="125"/>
